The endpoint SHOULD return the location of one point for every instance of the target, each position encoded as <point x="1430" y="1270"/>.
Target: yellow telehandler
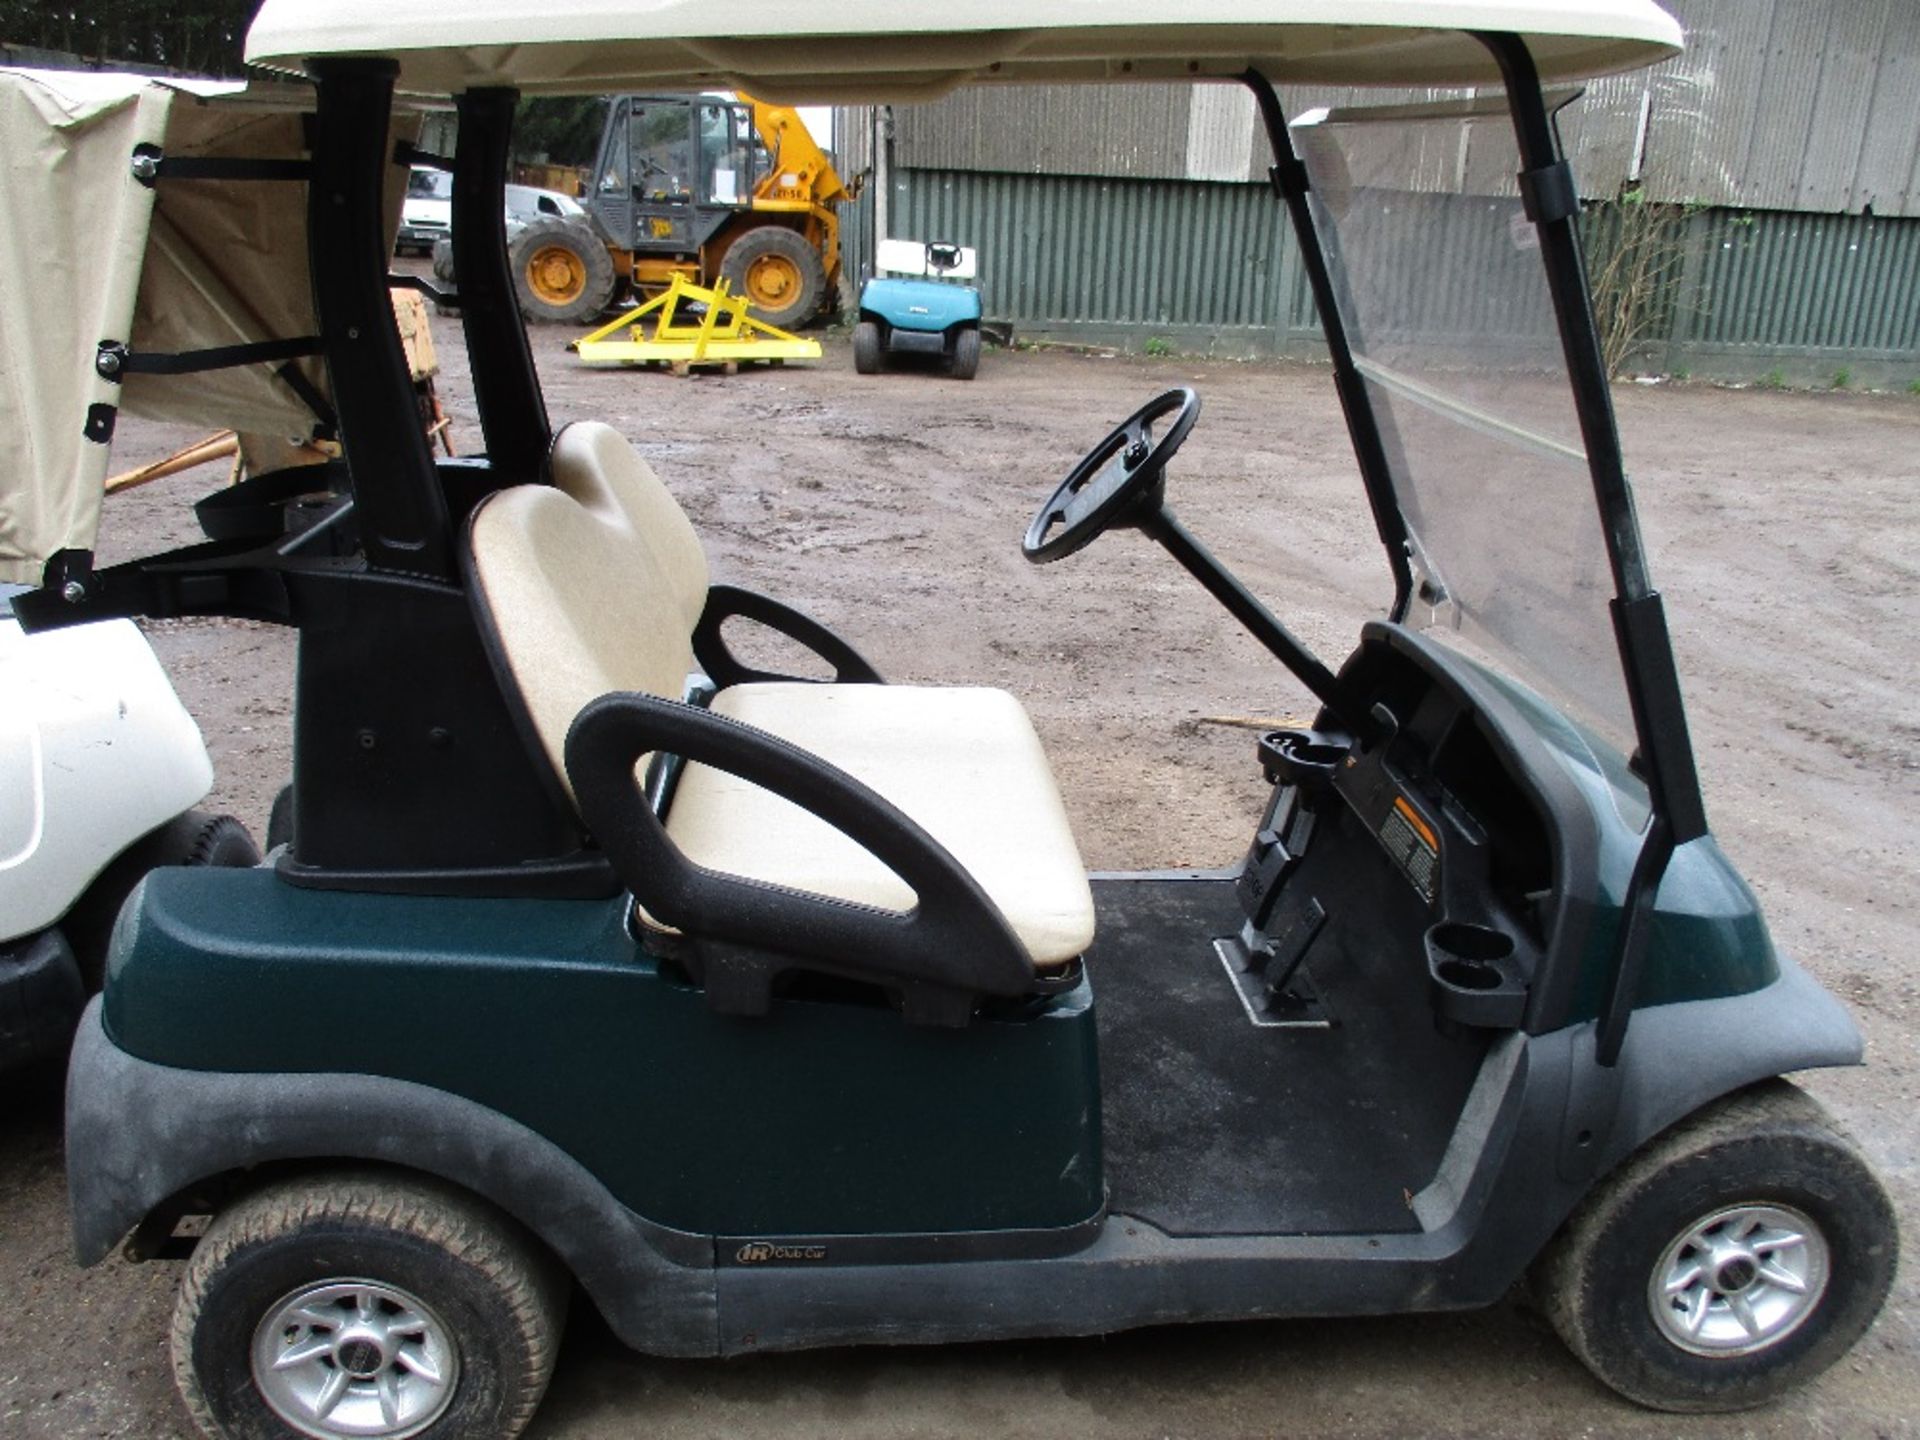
<point x="700" y="186"/>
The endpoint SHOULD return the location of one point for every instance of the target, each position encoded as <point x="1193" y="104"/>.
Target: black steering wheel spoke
<point x="1114" y="482"/>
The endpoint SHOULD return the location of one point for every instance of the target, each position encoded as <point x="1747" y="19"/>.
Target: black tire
<point x="964" y="364"/>
<point x="589" y="257"/>
<point x="777" y="243"/>
<point x="280" y="819"/>
<point x="1768" y="1149"/>
<point x="869" y="348"/>
<point x="443" y="260"/>
<point x="478" y="1279"/>
<point x="194" y="838"/>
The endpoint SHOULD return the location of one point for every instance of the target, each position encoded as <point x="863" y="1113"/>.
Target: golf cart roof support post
<point x="1639" y="619"/>
<point x="506" y="388"/>
<point x="1161" y="526"/>
<point x="397" y="496"/>
<point x="1363" y="424"/>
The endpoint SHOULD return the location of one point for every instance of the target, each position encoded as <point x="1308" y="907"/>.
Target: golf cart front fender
<point x="140" y="1134"/>
<point x="1682" y="1056"/>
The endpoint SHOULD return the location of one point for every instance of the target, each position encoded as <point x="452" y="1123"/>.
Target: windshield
<point x="425" y="184"/>
<point x="1438" y="276"/>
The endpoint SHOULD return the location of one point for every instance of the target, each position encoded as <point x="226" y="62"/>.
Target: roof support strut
<point x="1363" y="421"/>
<point x="513" y="413"/>
<point x="397" y="497"/>
<point x="1639" y="621"/>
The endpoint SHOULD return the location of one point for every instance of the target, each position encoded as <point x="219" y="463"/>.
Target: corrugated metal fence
<point x="1212" y="266"/>
<point x="1775" y="105"/>
<point x="1772" y="289"/>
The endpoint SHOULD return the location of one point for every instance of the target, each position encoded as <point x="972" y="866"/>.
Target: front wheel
<point x="369" y="1305"/>
<point x="1736" y="1256"/>
<point x="965" y="363"/>
<point x="869" y="348"/>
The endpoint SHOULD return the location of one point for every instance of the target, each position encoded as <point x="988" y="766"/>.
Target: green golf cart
<point x="776" y="1013"/>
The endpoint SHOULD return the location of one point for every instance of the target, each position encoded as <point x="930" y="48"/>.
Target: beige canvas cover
<point x="89" y="253"/>
<point x="792" y="51"/>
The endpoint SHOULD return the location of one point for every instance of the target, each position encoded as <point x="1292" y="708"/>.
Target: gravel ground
<point x="1782" y="528"/>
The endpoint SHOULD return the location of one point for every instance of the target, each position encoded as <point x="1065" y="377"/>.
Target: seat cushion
<point x="591" y="584"/>
<point x="595" y="464"/>
<point x="963" y="763"/>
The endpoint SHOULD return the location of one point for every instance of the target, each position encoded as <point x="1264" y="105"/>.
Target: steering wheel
<point x="1119" y="478"/>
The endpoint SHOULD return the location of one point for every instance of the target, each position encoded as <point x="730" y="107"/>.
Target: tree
<point x="187" y="37"/>
<point x="562" y="130"/>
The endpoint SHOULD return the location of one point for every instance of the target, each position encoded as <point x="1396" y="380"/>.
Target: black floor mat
<point x="1216" y="1126"/>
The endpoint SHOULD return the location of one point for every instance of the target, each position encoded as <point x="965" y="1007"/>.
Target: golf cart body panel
<point x="103" y="754"/>
<point x="923" y="305"/>
<point x="1375" y="1067"/>
<point x="97" y="756"/>
<point x="204" y="1128"/>
<point x="897" y="1103"/>
<point x="164" y="1141"/>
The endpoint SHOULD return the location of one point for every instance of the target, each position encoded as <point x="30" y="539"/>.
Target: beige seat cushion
<point x="595" y="464"/>
<point x="592" y="584"/>
<point x="964" y="763"/>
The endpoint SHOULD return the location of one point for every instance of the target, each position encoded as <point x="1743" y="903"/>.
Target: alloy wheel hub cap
<point x="355" y="1358"/>
<point x="1740" y="1280"/>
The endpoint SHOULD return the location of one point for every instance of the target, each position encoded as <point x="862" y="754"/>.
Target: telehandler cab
<point x="779" y="1014"/>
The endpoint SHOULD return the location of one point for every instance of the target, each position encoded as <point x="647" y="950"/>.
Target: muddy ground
<point x="1783" y="529"/>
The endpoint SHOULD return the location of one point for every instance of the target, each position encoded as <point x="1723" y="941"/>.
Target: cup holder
<point x="1467" y="975"/>
<point x="1473" y="978"/>
<point x="1301" y="757"/>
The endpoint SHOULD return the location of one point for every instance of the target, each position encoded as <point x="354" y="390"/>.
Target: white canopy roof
<point x="850" y="50"/>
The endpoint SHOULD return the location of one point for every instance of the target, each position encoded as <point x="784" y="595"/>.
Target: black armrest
<point x="726" y="601"/>
<point x="951" y="948"/>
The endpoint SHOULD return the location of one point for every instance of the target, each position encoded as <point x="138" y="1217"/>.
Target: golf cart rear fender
<point x="1682" y="1056"/>
<point x="141" y="1134"/>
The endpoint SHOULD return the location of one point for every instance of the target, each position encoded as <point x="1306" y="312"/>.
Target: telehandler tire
<point x="561" y="272"/>
<point x="778" y="271"/>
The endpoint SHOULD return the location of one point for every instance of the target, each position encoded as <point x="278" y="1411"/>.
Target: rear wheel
<point x="778" y="271"/>
<point x="965" y="363"/>
<point x="365" y="1305"/>
<point x="869" y="349"/>
<point x="561" y="272"/>
<point x="1736" y="1256"/>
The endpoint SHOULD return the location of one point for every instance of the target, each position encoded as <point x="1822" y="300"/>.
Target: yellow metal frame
<point x="724" y="335"/>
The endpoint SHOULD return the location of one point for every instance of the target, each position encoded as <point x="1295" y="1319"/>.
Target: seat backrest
<point x="589" y="585"/>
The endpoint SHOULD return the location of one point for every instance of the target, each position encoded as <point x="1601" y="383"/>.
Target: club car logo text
<point x="759" y="1252"/>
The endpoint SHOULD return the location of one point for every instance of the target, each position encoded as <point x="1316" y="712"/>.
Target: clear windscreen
<point x="1439" y="280"/>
